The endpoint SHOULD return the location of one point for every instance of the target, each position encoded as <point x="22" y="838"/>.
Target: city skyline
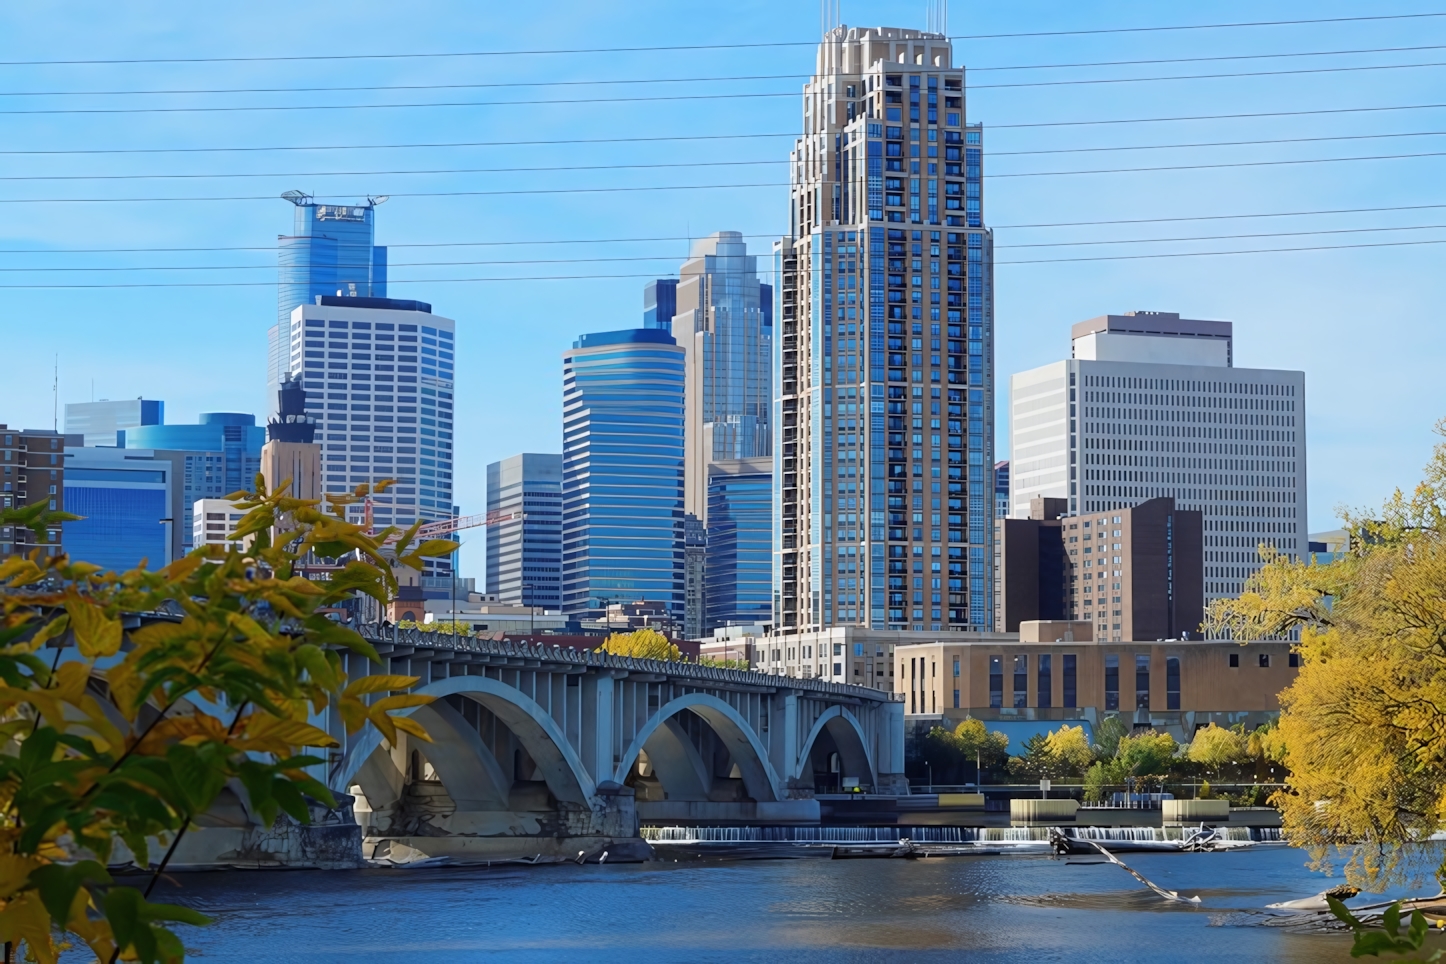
<point x="1297" y="323"/>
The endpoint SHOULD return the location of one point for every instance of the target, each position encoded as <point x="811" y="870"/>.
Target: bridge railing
<point x="460" y="643"/>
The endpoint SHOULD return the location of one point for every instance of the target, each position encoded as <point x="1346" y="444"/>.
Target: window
<point x="1112" y="681"/>
<point x="1172" y="682"/>
<point x="1044" y="683"/>
<point x="996" y="681"/>
<point x="1142" y="681"/>
<point x="956" y="699"/>
<point x="1234" y="660"/>
<point x="1294" y="660"/>
<point x="1069" y="679"/>
<point x="956" y="669"/>
<point x="1265" y="661"/>
<point x="1021" y="681"/>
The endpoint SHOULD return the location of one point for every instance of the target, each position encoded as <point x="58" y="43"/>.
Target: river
<point x="993" y="909"/>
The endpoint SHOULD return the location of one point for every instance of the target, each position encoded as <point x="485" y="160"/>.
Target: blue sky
<point x="1362" y="323"/>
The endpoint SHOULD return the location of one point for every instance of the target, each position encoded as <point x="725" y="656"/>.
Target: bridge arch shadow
<point x="680" y="767"/>
<point x="464" y="764"/>
<point x="838" y="747"/>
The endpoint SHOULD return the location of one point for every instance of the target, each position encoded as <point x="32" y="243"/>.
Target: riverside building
<point x="1151" y="405"/>
<point x="884" y="382"/>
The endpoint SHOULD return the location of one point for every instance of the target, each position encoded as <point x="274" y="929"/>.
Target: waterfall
<point x="936" y="835"/>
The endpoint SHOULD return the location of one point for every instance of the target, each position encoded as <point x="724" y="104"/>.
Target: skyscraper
<point x="524" y="530"/>
<point x="622" y="471"/>
<point x="99" y="421"/>
<point x="724" y="322"/>
<point x="739" y="563"/>
<point x="1151" y="405"/>
<point x="378" y="375"/>
<point x="884" y="381"/>
<point x="127" y="502"/>
<point x="331" y="251"/>
<point x="660" y="303"/>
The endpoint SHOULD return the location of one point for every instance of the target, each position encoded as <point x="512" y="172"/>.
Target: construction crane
<point x="444" y="527"/>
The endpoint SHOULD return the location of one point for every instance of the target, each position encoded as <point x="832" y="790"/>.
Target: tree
<point x="642" y="644"/>
<point x="1361" y="728"/>
<point x="1107" y="737"/>
<point x="970" y="744"/>
<point x="1215" y="747"/>
<point x="977" y="743"/>
<point x="1036" y="762"/>
<point x="222" y="692"/>
<point x="1145" y="756"/>
<point x="1069" y="746"/>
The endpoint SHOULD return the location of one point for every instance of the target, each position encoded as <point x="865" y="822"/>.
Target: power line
<point x="675" y="258"/>
<point x="687" y="164"/>
<point x="1205" y="117"/>
<point x="693" y="47"/>
<point x="508" y="192"/>
<point x="765" y="234"/>
<point x="583" y="277"/>
<point x="498" y="85"/>
<point x="572" y="101"/>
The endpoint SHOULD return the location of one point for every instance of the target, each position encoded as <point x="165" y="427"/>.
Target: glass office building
<point x="524" y="530"/>
<point x="622" y="472"/>
<point x="124" y="499"/>
<point x="99" y="421"/>
<point x="660" y="303"/>
<point x="219" y="455"/>
<point x="331" y="251"/>
<point x="739" y="566"/>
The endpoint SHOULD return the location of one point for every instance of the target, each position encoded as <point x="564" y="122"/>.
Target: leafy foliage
<point x="1215" y="746"/>
<point x="642" y="644"/>
<point x="1064" y="752"/>
<point x="953" y="753"/>
<point x="721" y="663"/>
<point x="1391" y="939"/>
<point x="126" y="735"/>
<point x="1363" y="727"/>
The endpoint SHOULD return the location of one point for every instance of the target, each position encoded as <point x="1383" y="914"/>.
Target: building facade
<point x="1022" y="688"/>
<point x="738" y="570"/>
<point x="622" y="472"/>
<point x="331" y="251"/>
<point x="695" y="552"/>
<point x="1151" y="405"/>
<point x="32" y="469"/>
<point x="724" y="321"/>
<point x="660" y="303"/>
<point x="524" y="530"/>
<point x="98" y="422"/>
<point x="218" y="455"/>
<point x="1135" y="573"/>
<point x="215" y="520"/>
<point x="128" y="500"/>
<point x="884" y="383"/>
<point x="1001" y="489"/>
<point x="379" y="376"/>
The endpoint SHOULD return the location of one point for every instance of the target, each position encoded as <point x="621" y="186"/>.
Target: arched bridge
<point x="538" y="749"/>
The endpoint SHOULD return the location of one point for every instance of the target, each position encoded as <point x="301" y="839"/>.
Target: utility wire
<point x="694" y="47"/>
<point x="686" y="164"/>
<point x="510" y="192"/>
<point x="496" y="85"/>
<point x="572" y="101"/>
<point x="765" y="234"/>
<point x="582" y="277"/>
<point x="675" y="258"/>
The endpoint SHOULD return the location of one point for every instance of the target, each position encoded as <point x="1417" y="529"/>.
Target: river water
<point x="990" y="908"/>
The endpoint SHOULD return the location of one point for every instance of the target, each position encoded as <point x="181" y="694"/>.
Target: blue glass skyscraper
<point x="660" y="303"/>
<point x="739" y="577"/>
<point x="622" y="472"/>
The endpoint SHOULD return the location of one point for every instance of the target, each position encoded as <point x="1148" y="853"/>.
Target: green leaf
<point x="197" y="773"/>
<point x="1342" y="914"/>
<point x="58" y="884"/>
<point x="1391" y="919"/>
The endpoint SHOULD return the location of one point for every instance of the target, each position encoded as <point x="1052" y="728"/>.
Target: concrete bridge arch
<point x="676" y="759"/>
<point x="849" y="740"/>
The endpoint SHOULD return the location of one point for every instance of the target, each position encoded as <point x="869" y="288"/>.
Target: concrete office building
<point x="379" y="380"/>
<point x="218" y="455"/>
<point x="842" y="654"/>
<point x="1133" y="573"/>
<point x="1032" y="684"/>
<point x="291" y="456"/>
<point x="739" y="558"/>
<point x="98" y="422"/>
<point x="1149" y="405"/>
<point x="331" y="251"/>
<point x="524" y="530"/>
<point x="32" y="469"/>
<point x="215" y="520"/>
<point x="622" y="471"/>
<point x="884" y="380"/>
<point x="129" y="500"/>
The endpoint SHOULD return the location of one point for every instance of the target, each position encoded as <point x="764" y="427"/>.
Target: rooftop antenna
<point x="938" y="16"/>
<point x="55" y="398"/>
<point x="828" y="16"/>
